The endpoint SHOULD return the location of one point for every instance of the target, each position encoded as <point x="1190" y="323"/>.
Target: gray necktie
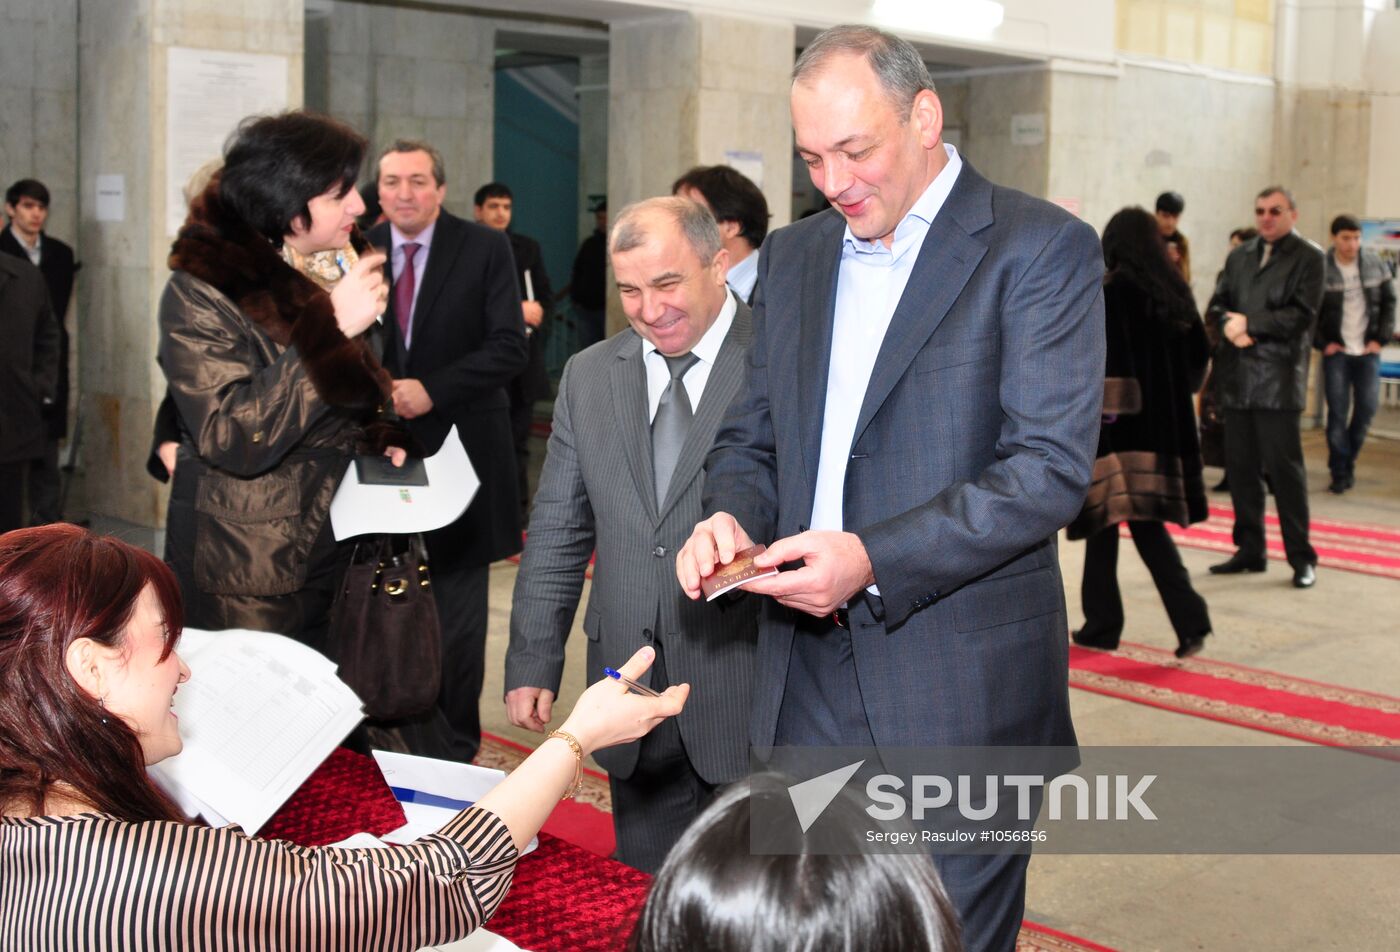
<point x="669" y="427"/>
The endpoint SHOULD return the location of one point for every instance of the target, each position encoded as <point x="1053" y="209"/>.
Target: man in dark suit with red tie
<point x="455" y="341"/>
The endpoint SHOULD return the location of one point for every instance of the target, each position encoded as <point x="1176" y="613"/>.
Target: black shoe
<point x="1192" y="646"/>
<point x="1337" y="486"/>
<point x="1237" y="563"/>
<point x="1351" y="481"/>
<point x="1084" y="641"/>
<point x="1305" y="577"/>
<point x="1221" y="487"/>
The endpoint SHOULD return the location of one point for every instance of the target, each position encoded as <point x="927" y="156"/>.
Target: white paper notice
<point x="208" y="93"/>
<point x="111" y="198"/>
<point x="358" y="509"/>
<point x="746" y="162"/>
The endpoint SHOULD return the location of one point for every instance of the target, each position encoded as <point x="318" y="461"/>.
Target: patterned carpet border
<point x="1349" y="546"/>
<point x="1305" y="710"/>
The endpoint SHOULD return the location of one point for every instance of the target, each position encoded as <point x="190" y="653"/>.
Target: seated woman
<point x="716" y="893"/>
<point x="94" y="856"/>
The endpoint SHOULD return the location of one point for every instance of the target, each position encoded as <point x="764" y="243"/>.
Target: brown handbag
<point x="384" y="628"/>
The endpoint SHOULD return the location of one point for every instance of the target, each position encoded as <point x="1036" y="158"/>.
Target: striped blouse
<point x="94" y="882"/>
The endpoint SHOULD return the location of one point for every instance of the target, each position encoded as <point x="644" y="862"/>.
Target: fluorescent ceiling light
<point x="969" y="18"/>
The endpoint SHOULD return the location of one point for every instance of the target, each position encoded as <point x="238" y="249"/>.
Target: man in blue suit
<point x="919" y="419"/>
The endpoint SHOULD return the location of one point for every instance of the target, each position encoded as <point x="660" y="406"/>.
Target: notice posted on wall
<point x="208" y="92"/>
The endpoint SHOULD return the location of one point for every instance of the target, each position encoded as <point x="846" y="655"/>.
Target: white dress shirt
<point x="36" y="250"/>
<point x="870" y="284"/>
<point x="659" y="375"/>
<point x="420" y="264"/>
<point x="743" y="276"/>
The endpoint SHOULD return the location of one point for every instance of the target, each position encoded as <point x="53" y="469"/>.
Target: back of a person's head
<point x="714" y="894"/>
<point x="275" y="165"/>
<point x="60" y="583"/>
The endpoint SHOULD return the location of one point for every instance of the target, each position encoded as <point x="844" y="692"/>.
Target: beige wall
<point x="1224" y="34"/>
<point x="122" y="47"/>
<point x="416" y="72"/>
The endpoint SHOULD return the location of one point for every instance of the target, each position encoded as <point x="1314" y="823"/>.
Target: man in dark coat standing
<point x="1265" y="306"/>
<point x="27" y="208"/>
<point x="29" y="345"/>
<point x="456" y="340"/>
<point x="493" y="206"/>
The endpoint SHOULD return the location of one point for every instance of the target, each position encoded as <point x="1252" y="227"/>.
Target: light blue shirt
<point x="743" y="276"/>
<point x="870" y="284"/>
<point x="420" y="264"/>
<point x="707" y="349"/>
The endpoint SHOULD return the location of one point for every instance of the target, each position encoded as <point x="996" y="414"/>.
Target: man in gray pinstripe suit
<point x="600" y="491"/>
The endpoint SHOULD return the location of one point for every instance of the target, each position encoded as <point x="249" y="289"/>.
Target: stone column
<point x="123" y="47"/>
<point x="403" y="72"/>
<point x="684" y="90"/>
<point x="592" y="136"/>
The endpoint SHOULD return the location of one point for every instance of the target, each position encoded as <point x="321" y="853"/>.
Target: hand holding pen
<point x="361" y="295"/>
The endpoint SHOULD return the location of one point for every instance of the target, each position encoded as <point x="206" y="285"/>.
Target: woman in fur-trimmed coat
<point x="270" y="367"/>
<point x="1148" y="470"/>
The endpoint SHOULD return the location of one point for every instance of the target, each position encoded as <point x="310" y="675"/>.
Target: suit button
<point x="659" y="552"/>
<point x="646" y="634"/>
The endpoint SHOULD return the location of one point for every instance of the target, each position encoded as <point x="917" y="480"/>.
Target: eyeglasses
<point x="1274" y="212"/>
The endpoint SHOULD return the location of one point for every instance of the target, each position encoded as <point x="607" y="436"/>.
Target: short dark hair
<point x="732" y="196"/>
<point x="492" y="190"/>
<point x="715" y="892"/>
<point x="1345" y="223"/>
<point x="27" y="188"/>
<point x="275" y="165"/>
<point x="1171" y="202"/>
<point x="1279" y="189"/>
<point x="416" y="145"/>
<point x="1245" y="234"/>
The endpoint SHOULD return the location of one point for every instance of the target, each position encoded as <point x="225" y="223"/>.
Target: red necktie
<point x="403" y="290"/>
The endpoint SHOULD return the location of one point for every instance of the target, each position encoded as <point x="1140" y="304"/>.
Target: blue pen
<point x="617" y="675"/>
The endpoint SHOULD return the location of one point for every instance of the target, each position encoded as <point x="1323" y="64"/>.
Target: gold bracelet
<point x="577" y="748"/>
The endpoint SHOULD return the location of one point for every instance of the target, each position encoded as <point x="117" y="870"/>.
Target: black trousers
<point x="522" y="415"/>
<point x="1268" y="441"/>
<point x="453" y="730"/>
<point x="1103" y="602"/>
<point x="45" y="484"/>
<point x="13" y="477"/>
<point x="662" y="796"/>
<point x="822" y="707"/>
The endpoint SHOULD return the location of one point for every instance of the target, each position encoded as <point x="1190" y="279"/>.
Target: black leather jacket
<point x="1280" y="301"/>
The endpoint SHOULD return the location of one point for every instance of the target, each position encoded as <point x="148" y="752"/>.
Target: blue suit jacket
<point x="974" y="445"/>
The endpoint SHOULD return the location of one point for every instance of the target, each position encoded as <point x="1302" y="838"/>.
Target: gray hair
<point x="417" y="145"/>
<point x="898" y="66"/>
<point x="694" y="220"/>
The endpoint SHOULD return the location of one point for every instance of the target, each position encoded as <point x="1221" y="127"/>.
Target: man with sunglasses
<point x="1265" y="306"/>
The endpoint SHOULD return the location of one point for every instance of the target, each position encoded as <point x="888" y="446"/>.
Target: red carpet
<point x="1250" y="697"/>
<point x="1354" y="547"/>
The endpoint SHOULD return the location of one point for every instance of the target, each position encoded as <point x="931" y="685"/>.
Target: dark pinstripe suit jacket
<point x="596" y="490"/>
<point x="973" y="446"/>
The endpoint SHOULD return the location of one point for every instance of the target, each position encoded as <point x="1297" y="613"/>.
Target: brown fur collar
<point x="220" y="249"/>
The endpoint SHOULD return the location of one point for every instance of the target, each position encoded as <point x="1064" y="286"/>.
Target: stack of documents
<point x="258" y="715"/>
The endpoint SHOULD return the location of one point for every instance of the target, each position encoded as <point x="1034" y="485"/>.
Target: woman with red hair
<point x="88" y="676"/>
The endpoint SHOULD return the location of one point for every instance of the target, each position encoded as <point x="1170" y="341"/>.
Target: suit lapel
<point x="720" y="388"/>
<point x="817" y="310"/>
<point x="447" y="241"/>
<point x="629" y="393"/>
<point x="946" y="262"/>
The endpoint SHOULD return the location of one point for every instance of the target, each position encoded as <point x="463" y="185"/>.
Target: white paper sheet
<point x="479" y="941"/>
<point x="259" y="714"/>
<point x="358" y="509"/>
<point x="466" y="783"/>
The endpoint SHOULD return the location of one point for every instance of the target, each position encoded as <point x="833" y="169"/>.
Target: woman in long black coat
<point x="1148" y="470"/>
